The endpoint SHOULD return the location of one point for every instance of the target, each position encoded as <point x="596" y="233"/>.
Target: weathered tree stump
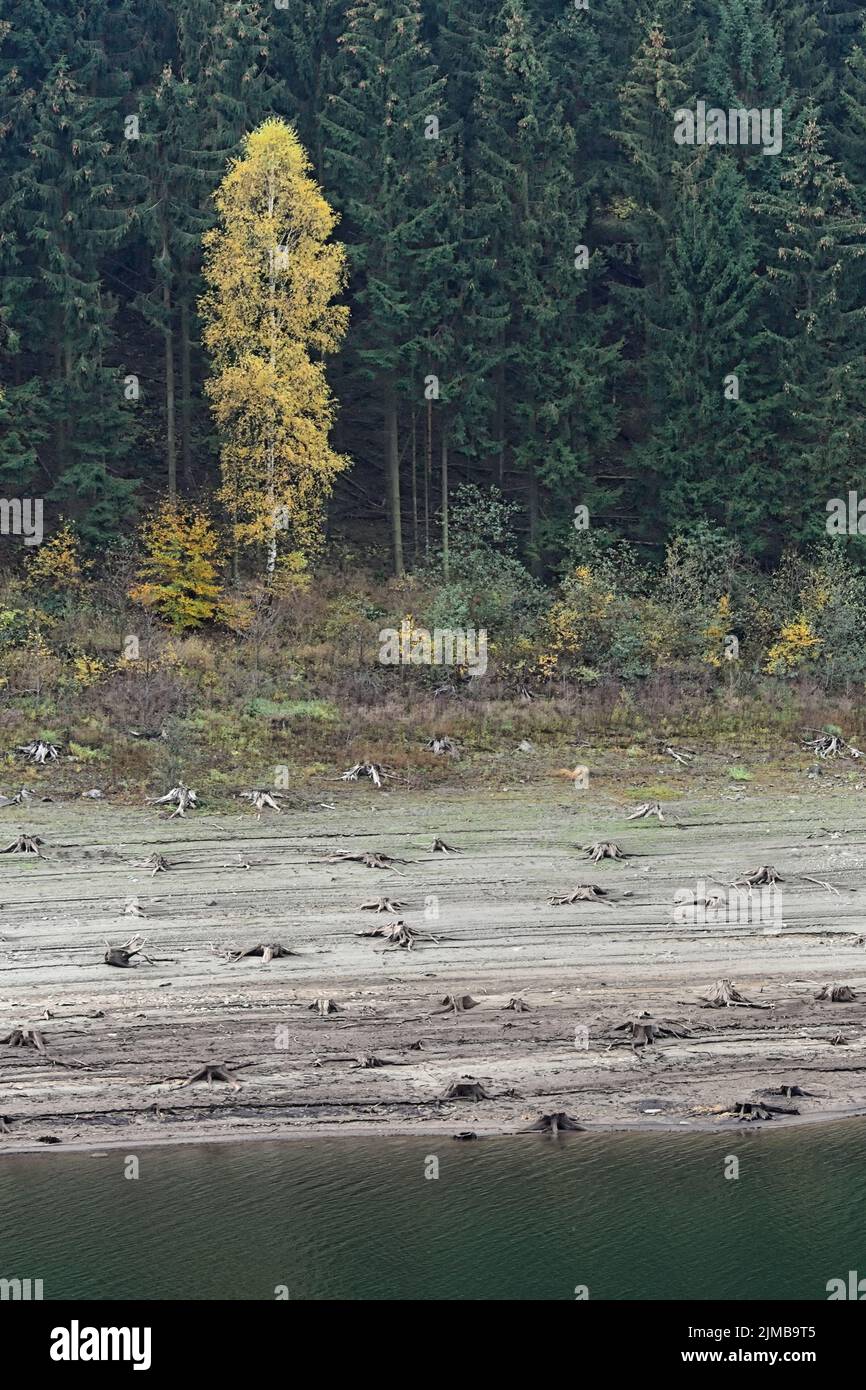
<point x="25" y="1037"/>
<point x="456" y="1004"/>
<point x="24" y="844"/>
<point x="122" y="956"/>
<point x="40" y="752"/>
<point x="583" y="893"/>
<point x="262" y="800"/>
<point x="555" y="1123"/>
<point x="648" y="808"/>
<point x="374" y="771"/>
<point x="603" y="849"/>
<point x="726" y="995"/>
<point x="182" y="797"/>
<point x="325" y="1006"/>
<point x="467" y="1088"/>
<point x="382" y="905"/>
<point x="212" y="1073"/>
<point x="441" y="847"/>
<point x="764" y="876"/>
<point x="837" y="994"/>
<point x="516" y="1005"/>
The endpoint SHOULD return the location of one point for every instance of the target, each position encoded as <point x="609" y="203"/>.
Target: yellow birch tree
<point x="271" y="276"/>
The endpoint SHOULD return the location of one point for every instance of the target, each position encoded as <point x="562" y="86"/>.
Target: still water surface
<point x="630" y="1216"/>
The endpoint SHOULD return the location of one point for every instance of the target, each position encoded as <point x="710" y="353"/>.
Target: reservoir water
<point x="649" y="1216"/>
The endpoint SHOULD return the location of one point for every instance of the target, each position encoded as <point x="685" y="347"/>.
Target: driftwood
<point x="726" y="995"/>
<point x="648" y="808"/>
<point x="517" y="1006"/>
<point x="398" y="934"/>
<point x="382" y="905"/>
<point x="25" y="1037"/>
<point x="267" y="950"/>
<point x="262" y="800"/>
<point x="40" y="752"/>
<point x="456" y="1004"/>
<point x="583" y="893"/>
<point x="440" y="847"/>
<point x="831" y="746"/>
<point x="467" y="1088"/>
<point x="324" y="1006"/>
<point x="212" y="1073"/>
<point x="837" y="994"/>
<point x="764" y="876"/>
<point x="603" y="849"/>
<point x="374" y="771"/>
<point x="553" y="1124"/>
<point x="372" y="858"/>
<point x="122" y="955"/>
<point x="182" y="797"/>
<point x="24" y="844"/>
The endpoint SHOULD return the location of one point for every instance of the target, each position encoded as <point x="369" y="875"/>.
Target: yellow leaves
<point x="269" y="315"/>
<point x="178" y="574"/>
<point x="57" y="562"/>
<point x="797" y="644"/>
<point x="87" y="671"/>
<point x="716" y="631"/>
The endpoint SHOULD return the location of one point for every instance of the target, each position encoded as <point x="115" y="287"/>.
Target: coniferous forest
<point x="529" y="329"/>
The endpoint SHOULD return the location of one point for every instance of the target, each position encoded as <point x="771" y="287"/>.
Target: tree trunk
<point x="446" y="555"/>
<point x="414" y="488"/>
<point x="186" y="395"/>
<point x="170" y="448"/>
<point x="535" y="559"/>
<point x="392" y="470"/>
<point x="428" y="477"/>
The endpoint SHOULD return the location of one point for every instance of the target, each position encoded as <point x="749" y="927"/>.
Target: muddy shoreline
<point x="119" y="1043"/>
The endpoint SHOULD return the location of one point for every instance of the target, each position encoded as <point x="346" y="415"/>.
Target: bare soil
<point x="119" y="1043"/>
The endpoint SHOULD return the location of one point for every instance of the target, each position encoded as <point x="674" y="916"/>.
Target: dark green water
<point x="632" y="1217"/>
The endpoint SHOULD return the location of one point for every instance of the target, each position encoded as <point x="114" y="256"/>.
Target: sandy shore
<point x="120" y="1042"/>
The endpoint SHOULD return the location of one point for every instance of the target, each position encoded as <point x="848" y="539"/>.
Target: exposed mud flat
<point x="119" y="1042"/>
